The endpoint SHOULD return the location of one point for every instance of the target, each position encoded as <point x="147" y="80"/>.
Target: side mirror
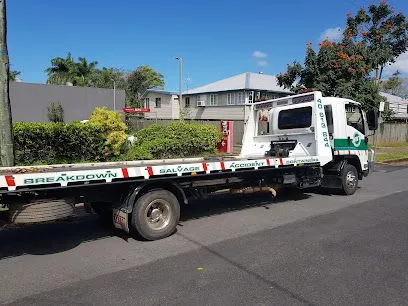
<point x="372" y="119"/>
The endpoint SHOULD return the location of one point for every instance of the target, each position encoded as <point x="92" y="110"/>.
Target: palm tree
<point x="13" y="75"/>
<point x="83" y="71"/>
<point x="62" y="70"/>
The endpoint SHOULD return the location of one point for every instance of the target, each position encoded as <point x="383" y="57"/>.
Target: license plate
<point x="120" y="220"/>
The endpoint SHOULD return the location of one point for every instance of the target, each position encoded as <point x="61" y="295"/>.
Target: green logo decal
<point x="356" y="140"/>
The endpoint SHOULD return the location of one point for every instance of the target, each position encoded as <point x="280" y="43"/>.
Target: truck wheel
<point x="156" y="214"/>
<point x="349" y="179"/>
<point x="40" y="210"/>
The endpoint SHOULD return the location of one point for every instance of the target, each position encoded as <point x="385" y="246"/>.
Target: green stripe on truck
<point x="346" y="144"/>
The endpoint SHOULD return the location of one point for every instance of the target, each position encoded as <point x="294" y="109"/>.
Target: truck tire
<point x="40" y="211"/>
<point x="156" y="215"/>
<point x="349" y="179"/>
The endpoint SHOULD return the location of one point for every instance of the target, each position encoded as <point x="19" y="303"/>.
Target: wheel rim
<point x="351" y="179"/>
<point x="157" y="214"/>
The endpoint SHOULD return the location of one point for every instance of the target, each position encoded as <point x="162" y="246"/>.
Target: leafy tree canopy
<point x="139" y="82"/>
<point x="352" y="68"/>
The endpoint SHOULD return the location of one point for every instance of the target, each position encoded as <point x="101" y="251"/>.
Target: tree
<point x="394" y="85"/>
<point x="13" y="75"/>
<point x="56" y="112"/>
<point x="104" y="78"/>
<point x="62" y="70"/>
<point x="139" y="82"/>
<point x="6" y="132"/>
<point x="382" y="31"/>
<point x="345" y="68"/>
<point x="83" y="70"/>
<point x="66" y="70"/>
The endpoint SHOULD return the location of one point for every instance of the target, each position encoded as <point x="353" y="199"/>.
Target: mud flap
<point x="120" y="219"/>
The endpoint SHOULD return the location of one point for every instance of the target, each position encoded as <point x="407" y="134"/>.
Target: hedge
<point x="50" y="143"/>
<point x="178" y="139"/>
<point x="53" y="143"/>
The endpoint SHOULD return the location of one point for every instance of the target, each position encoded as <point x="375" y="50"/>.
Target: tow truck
<point x="303" y="141"/>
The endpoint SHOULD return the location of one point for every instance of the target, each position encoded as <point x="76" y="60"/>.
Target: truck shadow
<point x="61" y="236"/>
<point x="50" y="238"/>
<point x="220" y="204"/>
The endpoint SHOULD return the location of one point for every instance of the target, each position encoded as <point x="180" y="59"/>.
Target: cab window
<point x="295" y="118"/>
<point x="354" y="117"/>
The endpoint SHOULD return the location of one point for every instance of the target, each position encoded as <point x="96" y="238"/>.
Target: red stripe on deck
<point x="10" y="181"/>
<point x="222" y="166"/>
<point x="268" y="162"/>
<point x="125" y="172"/>
<point x="205" y="166"/>
<point x="150" y="171"/>
<point x="281" y="161"/>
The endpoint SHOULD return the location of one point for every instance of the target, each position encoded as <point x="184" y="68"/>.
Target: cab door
<point x="355" y="129"/>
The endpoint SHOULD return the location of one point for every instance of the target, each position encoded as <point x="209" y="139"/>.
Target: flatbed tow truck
<point x="304" y="140"/>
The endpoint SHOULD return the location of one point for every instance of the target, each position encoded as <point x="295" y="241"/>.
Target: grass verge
<point x="391" y="144"/>
<point x="391" y="156"/>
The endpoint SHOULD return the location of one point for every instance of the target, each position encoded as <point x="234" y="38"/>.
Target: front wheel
<point x="349" y="179"/>
<point x="156" y="214"/>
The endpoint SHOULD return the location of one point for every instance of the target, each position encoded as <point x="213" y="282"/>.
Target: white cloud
<point x="332" y="34"/>
<point x="261" y="63"/>
<point x="259" y="54"/>
<point x="401" y="64"/>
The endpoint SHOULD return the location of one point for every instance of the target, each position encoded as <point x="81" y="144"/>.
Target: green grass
<point x="383" y="157"/>
<point x="392" y="144"/>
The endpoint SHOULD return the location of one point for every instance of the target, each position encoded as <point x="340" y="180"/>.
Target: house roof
<point x="160" y="91"/>
<point x="246" y="80"/>
<point x="393" y="99"/>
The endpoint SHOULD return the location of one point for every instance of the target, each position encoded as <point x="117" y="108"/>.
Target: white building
<point x="398" y="105"/>
<point x="220" y="100"/>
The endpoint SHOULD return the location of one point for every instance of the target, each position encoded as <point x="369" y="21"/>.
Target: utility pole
<point x="114" y="96"/>
<point x="6" y="132"/>
<point x="180" y="59"/>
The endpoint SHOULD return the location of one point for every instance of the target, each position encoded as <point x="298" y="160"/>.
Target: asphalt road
<point x="306" y="248"/>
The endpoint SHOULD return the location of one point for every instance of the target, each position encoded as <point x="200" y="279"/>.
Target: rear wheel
<point x="349" y="179"/>
<point x="156" y="214"/>
<point x="40" y="210"/>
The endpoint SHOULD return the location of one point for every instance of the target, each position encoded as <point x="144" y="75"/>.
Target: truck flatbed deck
<point x="310" y="141"/>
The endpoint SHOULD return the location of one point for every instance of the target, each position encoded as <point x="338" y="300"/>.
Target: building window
<point x="147" y="102"/>
<point x="158" y="103"/>
<point x="236" y="98"/>
<point x="230" y="100"/>
<point x="241" y="98"/>
<point x="213" y="100"/>
<point x="187" y="101"/>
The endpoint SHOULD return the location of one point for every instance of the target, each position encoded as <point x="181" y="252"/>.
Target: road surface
<point x="310" y="248"/>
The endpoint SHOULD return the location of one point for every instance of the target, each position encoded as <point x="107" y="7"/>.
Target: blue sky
<point x="217" y="39"/>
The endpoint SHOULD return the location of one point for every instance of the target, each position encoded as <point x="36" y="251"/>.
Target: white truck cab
<point x="332" y="130"/>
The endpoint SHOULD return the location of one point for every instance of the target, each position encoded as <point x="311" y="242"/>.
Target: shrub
<point x="114" y="128"/>
<point x="48" y="143"/>
<point x="179" y="139"/>
<point x="56" y="112"/>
